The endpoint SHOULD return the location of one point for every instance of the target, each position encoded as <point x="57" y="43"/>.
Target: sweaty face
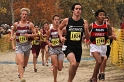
<point x="106" y="20"/>
<point x="101" y="16"/>
<point x="77" y="10"/>
<point x="46" y="26"/>
<point x="24" y="15"/>
<point x="36" y="27"/>
<point x="56" y="21"/>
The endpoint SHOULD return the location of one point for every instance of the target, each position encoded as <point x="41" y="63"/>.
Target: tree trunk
<point x="12" y="12"/>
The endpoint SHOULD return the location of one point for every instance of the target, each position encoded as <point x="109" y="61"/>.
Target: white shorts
<point x="101" y="49"/>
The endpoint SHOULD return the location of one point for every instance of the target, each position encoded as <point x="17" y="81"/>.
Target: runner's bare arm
<point x="86" y="30"/>
<point x="90" y="27"/>
<point x="34" y="34"/>
<point x="13" y="30"/>
<point x="61" y="26"/>
<point x="47" y="38"/>
<point x="13" y="42"/>
<point x="111" y="36"/>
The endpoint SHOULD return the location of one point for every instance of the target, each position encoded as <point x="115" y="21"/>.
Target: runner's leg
<point x="73" y="66"/>
<point x="98" y="59"/>
<point x="55" y="66"/>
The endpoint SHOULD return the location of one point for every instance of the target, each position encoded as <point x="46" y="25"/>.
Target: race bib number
<point x="23" y="39"/>
<point x="75" y="36"/>
<point x="36" y="42"/>
<point x="100" y="40"/>
<point x="55" y="42"/>
<point x="108" y="42"/>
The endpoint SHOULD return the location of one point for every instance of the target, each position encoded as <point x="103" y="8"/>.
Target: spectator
<point x="122" y="23"/>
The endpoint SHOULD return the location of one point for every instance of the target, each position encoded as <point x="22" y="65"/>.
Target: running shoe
<point x="35" y="70"/>
<point x="101" y="76"/>
<point x="18" y="76"/>
<point x="23" y="80"/>
<point x="43" y="64"/>
<point x="47" y="64"/>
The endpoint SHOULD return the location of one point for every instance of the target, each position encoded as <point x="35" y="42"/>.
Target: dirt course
<point x="8" y="70"/>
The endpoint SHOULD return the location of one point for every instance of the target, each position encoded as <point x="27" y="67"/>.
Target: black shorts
<point x="108" y="49"/>
<point x="77" y="52"/>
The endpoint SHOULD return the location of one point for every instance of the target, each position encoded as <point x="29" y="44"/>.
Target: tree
<point x="90" y="6"/>
<point x="41" y="10"/>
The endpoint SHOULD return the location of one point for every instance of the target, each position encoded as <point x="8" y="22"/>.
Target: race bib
<point x="108" y="42"/>
<point x="55" y="42"/>
<point x="44" y="38"/>
<point x="100" y="40"/>
<point x="75" y="36"/>
<point x="23" y="39"/>
<point x="36" y="42"/>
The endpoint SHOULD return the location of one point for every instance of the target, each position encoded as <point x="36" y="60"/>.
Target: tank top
<point x="98" y="32"/>
<point x="74" y="33"/>
<point x="54" y="38"/>
<point x="20" y="31"/>
<point x="36" y="40"/>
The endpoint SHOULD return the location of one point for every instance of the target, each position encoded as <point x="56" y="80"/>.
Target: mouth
<point x="78" y="12"/>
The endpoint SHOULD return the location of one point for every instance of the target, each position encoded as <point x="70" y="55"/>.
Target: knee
<point x="35" y="57"/>
<point x="59" y="68"/>
<point x="99" y="62"/>
<point x="55" y="66"/>
<point x="106" y="58"/>
<point x="73" y="65"/>
<point x="21" y="62"/>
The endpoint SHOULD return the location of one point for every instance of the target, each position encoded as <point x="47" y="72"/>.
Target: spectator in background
<point x="122" y="23"/>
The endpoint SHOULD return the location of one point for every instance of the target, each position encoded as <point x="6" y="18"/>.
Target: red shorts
<point x="43" y="44"/>
<point x="36" y="49"/>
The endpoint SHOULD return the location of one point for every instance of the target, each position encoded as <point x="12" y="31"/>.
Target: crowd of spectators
<point x="4" y="29"/>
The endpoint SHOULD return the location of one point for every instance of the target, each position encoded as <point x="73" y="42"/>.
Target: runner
<point x="23" y="30"/>
<point x="75" y="27"/>
<point x="55" y="47"/>
<point x="36" y="47"/>
<point x="43" y="44"/>
<point x="100" y="32"/>
<point x="109" y="41"/>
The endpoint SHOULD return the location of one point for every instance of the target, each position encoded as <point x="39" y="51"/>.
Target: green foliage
<point x="120" y="9"/>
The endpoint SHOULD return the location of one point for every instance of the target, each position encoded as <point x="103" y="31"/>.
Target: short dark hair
<point x="107" y="17"/>
<point x="45" y="23"/>
<point x="55" y="16"/>
<point x="98" y="11"/>
<point x="73" y="6"/>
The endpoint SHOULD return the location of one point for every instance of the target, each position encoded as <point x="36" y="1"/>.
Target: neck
<point x="76" y="18"/>
<point x="23" y="21"/>
<point x="99" y="22"/>
<point x="55" y="26"/>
